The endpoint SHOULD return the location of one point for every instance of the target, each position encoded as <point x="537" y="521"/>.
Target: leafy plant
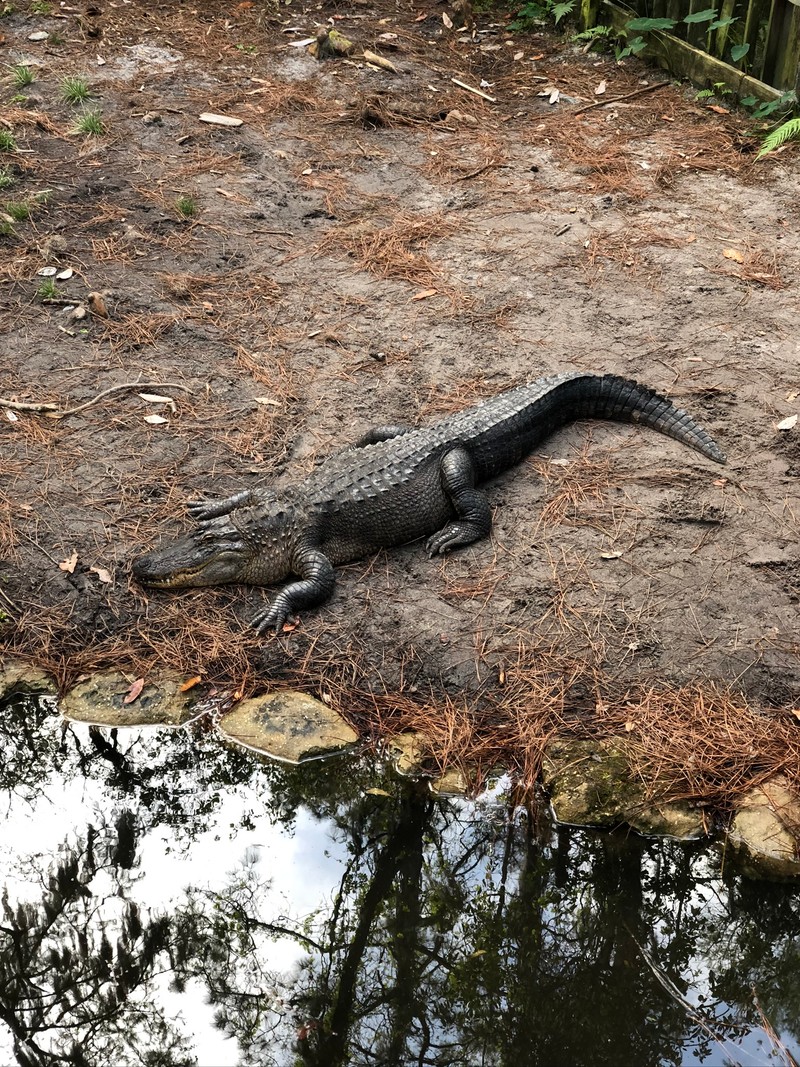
<point x="6" y="10"/>
<point x="763" y="109"/>
<point x="6" y="178"/>
<point x="75" y="90"/>
<point x="22" y="75"/>
<point x="787" y="131"/>
<point x="666" y="25"/>
<point x="91" y="123"/>
<point x="536" y="11"/>
<point x="41" y="7"/>
<point x="48" y="290"/>
<point x="187" y="206"/>
<point x="7" y="142"/>
<point x="600" y="36"/>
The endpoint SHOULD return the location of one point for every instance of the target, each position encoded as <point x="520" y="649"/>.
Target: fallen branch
<point x="474" y="173"/>
<point x="477" y="92"/>
<point x="54" y="413"/>
<point x="627" y="96"/>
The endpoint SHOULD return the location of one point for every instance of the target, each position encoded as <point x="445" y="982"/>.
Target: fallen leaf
<point x="720" y="482"/>
<point x="69" y="564"/>
<point x="611" y="555"/>
<point x="421" y="17"/>
<point x="375" y="792"/>
<point x="220" y="120"/>
<point x="154" y="398"/>
<point x="734" y="254"/>
<point x="447" y="20"/>
<point x="791" y="397"/>
<point x="190" y="684"/>
<point x="155" y="420"/>
<point x="424" y="294"/>
<point x="518" y="56"/>
<point x="268" y="400"/>
<point x="208" y="307"/>
<point x="719" y="110"/>
<point x="601" y="88"/>
<point x="691" y="238"/>
<point x="477" y="952"/>
<point x="134" y="691"/>
<point x="288" y="627"/>
<point x="12" y="416"/>
<point x="787" y="424"/>
<point x="630" y="725"/>
<point x="102" y="574"/>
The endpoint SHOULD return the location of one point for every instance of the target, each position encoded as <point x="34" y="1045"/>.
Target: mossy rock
<point x="590" y="784"/>
<point x="293" y="727"/>
<point x="20" y="678"/>
<point x="765" y="832"/>
<point x="100" y="701"/>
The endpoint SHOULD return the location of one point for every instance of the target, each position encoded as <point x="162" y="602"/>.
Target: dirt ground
<point x="369" y="247"/>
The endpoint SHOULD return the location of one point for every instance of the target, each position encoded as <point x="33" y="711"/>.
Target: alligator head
<point x="218" y="552"/>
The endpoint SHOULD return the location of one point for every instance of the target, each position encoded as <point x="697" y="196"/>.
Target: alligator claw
<point x="273" y="616"/>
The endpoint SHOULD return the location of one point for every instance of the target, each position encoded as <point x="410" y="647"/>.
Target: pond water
<point x="167" y="900"/>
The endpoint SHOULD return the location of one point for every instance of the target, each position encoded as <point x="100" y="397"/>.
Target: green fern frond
<point x="787" y="131"/>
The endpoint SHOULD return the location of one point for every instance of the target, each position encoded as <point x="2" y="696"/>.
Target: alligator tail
<point x="622" y="400"/>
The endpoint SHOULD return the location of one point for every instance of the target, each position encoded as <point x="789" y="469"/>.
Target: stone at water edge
<point x="411" y="754"/>
<point x="590" y="784"/>
<point x="288" y="726"/>
<point x="766" y="831"/>
<point x="19" y="677"/>
<point x="100" y="701"/>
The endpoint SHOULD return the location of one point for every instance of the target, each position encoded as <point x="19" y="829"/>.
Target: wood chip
<point x="220" y="120"/>
<point x="379" y="61"/>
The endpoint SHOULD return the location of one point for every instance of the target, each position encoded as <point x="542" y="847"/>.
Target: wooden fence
<point x="753" y="46"/>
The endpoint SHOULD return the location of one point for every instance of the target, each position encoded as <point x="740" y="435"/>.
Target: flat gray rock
<point x="100" y="701"/>
<point x="288" y="726"/>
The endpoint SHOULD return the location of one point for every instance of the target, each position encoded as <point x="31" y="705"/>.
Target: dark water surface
<point x="166" y="900"/>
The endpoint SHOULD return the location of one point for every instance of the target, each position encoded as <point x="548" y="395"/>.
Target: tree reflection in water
<point x="455" y="934"/>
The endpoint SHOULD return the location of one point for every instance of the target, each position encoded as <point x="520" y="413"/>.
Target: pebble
<point x="39" y="35"/>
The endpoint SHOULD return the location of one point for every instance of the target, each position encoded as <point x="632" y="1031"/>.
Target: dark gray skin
<point x="394" y="486"/>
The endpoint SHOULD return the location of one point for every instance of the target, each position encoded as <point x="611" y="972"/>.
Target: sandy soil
<point x="360" y="255"/>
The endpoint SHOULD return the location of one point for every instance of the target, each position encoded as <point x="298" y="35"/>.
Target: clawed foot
<point x="274" y="616"/>
<point x="203" y="510"/>
<point x="454" y="535"/>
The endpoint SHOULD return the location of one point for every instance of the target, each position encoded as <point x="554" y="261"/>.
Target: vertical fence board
<point x="787" y="50"/>
<point x="721" y="36"/>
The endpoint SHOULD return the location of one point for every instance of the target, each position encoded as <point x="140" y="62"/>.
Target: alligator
<point x="395" y="485"/>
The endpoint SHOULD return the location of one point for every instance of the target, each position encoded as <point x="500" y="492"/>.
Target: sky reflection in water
<point x="170" y="901"/>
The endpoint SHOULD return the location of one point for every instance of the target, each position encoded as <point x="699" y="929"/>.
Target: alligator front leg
<point x="201" y="510"/>
<point x="381" y="433"/>
<point x="316" y="572"/>
<point x="470" y="505"/>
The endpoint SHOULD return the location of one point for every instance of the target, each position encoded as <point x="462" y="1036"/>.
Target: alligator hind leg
<point x="200" y="510"/>
<point x="470" y="504"/>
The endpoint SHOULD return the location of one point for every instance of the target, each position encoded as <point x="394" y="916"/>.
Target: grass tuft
<point x="22" y="75"/>
<point x="90" y="123"/>
<point x="75" y="90"/>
